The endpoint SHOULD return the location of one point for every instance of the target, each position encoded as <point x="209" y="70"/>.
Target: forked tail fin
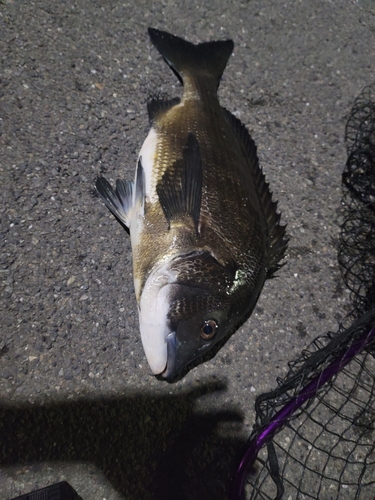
<point x="209" y="58"/>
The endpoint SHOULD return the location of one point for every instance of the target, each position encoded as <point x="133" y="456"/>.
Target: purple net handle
<point x="280" y="418"/>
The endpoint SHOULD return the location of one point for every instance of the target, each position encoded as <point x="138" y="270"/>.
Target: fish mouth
<point x="177" y="359"/>
<point x="170" y="367"/>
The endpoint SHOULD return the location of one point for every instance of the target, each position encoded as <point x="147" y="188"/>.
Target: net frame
<point x="314" y="434"/>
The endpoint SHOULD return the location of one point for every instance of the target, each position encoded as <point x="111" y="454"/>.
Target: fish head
<point x="185" y="309"/>
<point x="193" y="335"/>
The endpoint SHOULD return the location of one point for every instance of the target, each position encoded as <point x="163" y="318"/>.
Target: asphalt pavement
<point x="77" y="399"/>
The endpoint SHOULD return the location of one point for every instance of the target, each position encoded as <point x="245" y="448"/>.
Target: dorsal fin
<point x="180" y="189"/>
<point x="156" y="106"/>
<point x="276" y="232"/>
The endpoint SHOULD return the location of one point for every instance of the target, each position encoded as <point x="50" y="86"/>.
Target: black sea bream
<point x="204" y="229"/>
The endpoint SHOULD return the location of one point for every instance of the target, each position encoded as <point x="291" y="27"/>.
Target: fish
<point x="205" y="232"/>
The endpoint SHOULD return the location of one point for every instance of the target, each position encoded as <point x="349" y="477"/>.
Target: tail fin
<point x="182" y="56"/>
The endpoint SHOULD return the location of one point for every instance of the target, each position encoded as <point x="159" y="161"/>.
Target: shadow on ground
<point x="148" y="447"/>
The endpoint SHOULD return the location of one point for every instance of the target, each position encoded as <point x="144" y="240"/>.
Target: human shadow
<point x="148" y="447"/>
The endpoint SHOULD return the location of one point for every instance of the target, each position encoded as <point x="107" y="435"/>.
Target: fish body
<point x="204" y="230"/>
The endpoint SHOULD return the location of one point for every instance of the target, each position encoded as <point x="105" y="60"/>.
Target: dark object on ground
<point x="318" y="424"/>
<point x="58" y="491"/>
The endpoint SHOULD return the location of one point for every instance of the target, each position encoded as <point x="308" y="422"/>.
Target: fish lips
<point x="179" y="354"/>
<point x="170" y="369"/>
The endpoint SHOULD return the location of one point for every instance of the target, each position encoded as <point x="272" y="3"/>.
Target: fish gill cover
<point x="314" y="434"/>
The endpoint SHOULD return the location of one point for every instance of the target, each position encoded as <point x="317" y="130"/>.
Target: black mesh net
<point x="314" y="434"/>
<point x="357" y="243"/>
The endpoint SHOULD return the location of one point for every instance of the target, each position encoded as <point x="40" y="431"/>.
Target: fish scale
<point x="214" y="206"/>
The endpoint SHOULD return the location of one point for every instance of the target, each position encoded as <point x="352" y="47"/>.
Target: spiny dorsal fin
<point x="118" y="201"/>
<point x="156" y="106"/>
<point x="182" y="56"/>
<point x="276" y="232"/>
<point x="180" y="189"/>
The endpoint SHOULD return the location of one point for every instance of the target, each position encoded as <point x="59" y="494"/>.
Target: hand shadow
<point x="148" y="447"/>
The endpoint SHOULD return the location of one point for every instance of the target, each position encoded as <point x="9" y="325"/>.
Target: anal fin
<point x="156" y="106"/>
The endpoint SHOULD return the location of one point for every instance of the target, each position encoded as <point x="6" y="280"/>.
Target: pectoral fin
<point x="140" y="191"/>
<point x="180" y="190"/>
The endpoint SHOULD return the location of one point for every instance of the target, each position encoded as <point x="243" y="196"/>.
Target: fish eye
<point x="209" y="328"/>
